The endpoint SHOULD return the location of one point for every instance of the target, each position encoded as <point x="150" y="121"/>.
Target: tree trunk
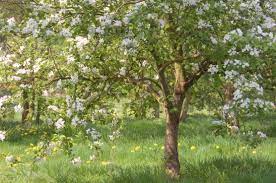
<point x="185" y="106"/>
<point x="230" y="116"/>
<point x="38" y="111"/>
<point x="26" y="107"/>
<point x="172" y="164"/>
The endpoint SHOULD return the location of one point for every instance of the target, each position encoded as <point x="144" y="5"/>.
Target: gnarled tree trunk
<point x="171" y="149"/>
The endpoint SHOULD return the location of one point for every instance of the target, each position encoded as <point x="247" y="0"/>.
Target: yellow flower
<point x="18" y="158"/>
<point x="217" y="147"/>
<point x="193" y="148"/>
<point x="162" y="147"/>
<point x="106" y="162"/>
<point x="254" y="152"/>
<point x="137" y="148"/>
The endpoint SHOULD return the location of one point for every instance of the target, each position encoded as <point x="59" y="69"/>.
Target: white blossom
<point x="11" y="23"/>
<point x="59" y="124"/>
<point x="18" y="108"/>
<point x="2" y="135"/>
<point x="91" y="2"/>
<point x="76" y="161"/>
<point x="261" y="135"/>
<point x="74" y="78"/>
<point x="213" y="69"/>
<point x="81" y="42"/>
<point x="53" y="107"/>
<point x="10" y="159"/>
<point x="65" y="32"/>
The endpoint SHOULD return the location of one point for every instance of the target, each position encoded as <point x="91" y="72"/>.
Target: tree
<point x="163" y="47"/>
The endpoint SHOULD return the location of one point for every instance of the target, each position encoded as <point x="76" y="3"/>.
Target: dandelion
<point x="105" y="163"/>
<point x="137" y="148"/>
<point x="193" y="148"/>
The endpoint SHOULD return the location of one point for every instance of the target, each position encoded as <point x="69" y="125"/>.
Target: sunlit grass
<point x="138" y="157"/>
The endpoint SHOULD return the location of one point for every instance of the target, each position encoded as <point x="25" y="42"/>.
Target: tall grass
<point x="138" y="156"/>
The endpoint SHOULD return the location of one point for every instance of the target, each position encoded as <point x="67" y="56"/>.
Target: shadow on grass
<point x="146" y="129"/>
<point x="217" y="170"/>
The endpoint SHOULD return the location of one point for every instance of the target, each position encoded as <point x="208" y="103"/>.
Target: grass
<point x="138" y="156"/>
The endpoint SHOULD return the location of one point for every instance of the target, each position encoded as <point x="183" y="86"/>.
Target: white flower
<point x="11" y="23"/>
<point x="10" y="159"/>
<point x="261" y="134"/>
<point x="18" y="108"/>
<point x="60" y="123"/>
<point x="117" y="23"/>
<point x="63" y="2"/>
<point x="91" y="2"/>
<point x="49" y="32"/>
<point x="65" y="33"/>
<point x="76" y="161"/>
<point x="74" y="78"/>
<point x="53" y="107"/>
<point x="81" y="42"/>
<point x="3" y="100"/>
<point x="213" y="69"/>
<point x="59" y="84"/>
<point x="75" y="121"/>
<point x="122" y="71"/>
<point x="213" y="40"/>
<point x="30" y="27"/>
<point x="70" y="59"/>
<point x="16" y="78"/>
<point x="2" y="135"/>
<point x="75" y="21"/>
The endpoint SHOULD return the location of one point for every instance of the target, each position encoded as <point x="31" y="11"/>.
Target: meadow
<point x="137" y="156"/>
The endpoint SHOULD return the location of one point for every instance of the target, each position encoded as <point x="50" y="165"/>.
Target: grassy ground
<point x="137" y="156"/>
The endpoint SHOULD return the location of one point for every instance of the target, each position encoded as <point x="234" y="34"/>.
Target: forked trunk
<point x="185" y="107"/>
<point x="172" y="164"/>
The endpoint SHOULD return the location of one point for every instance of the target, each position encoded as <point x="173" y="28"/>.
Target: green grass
<point x="232" y="161"/>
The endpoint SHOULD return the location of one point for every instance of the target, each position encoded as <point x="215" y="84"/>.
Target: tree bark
<point x="230" y="116"/>
<point x="171" y="149"/>
<point x="26" y="107"/>
<point x="185" y="106"/>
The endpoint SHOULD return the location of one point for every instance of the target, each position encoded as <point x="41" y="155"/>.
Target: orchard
<point x="137" y="91"/>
